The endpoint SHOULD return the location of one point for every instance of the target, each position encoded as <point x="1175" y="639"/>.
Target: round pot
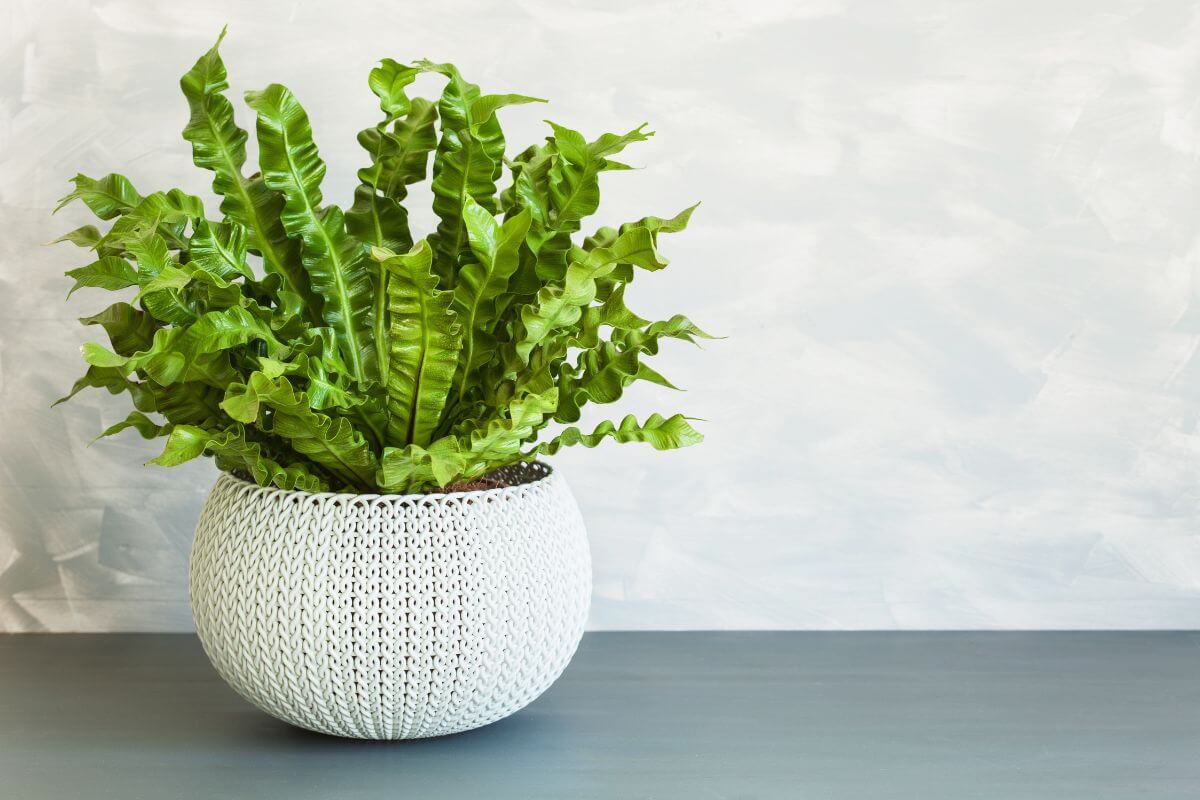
<point x="391" y="616"/>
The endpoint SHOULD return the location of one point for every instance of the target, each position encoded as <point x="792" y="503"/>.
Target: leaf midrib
<point x="265" y="244"/>
<point x="338" y="279"/>
<point x="421" y="362"/>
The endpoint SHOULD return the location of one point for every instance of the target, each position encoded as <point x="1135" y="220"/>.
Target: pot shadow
<point x="526" y="728"/>
<point x="209" y="737"/>
<point x="516" y="746"/>
<point x="151" y="715"/>
<point x="194" y="708"/>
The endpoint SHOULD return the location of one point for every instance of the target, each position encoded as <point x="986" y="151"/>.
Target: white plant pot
<point x="393" y="616"/>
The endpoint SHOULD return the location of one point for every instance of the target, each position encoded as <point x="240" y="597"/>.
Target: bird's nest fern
<point x="312" y="348"/>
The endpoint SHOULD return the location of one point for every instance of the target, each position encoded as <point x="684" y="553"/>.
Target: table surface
<point x="869" y="716"/>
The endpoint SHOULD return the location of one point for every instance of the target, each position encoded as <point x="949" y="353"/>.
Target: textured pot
<point x="393" y="616"/>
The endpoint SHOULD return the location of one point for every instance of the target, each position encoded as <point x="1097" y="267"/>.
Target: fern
<point x="310" y="348"/>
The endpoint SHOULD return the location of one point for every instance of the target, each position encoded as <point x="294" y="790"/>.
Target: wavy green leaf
<point x="659" y="433"/>
<point x="414" y="468"/>
<point x="148" y="428"/>
<point x="496" y="246"/>
<point x="377" y="218"/>
<point x="500" y="441"/>
<point x="192" y="353"/>
<point x="106" y="272"/>
<point x="128" y="329"/>
<point x="113" y="380"/>
<point x="219" y="145"/>
<point x="164" y="302"/>
<point x="468" y="162"/>
<point x="233" y="451"/>
<point x="562" y="181"/>
<point x="601" y="376"/>
<point x="574" y="179"/>
<point x="187" y="403"/>
<point x="107" y="197"/>
<point x="612" y="312"/>
<point x="330" y="442"/>
<point x="334" y="260"/>
<point x="316" y="360"/>
<point x="560" y="306"/>
<point x="84" y="236"/>
<point x="220" y="249"/>
<point x="624" y="273"/>
<point x="165" y="214"/>
<point x="425" y="340"/>
<point x="185" y="443"/>
<point x="398" y="158"/>
<point x="415" y="137"/>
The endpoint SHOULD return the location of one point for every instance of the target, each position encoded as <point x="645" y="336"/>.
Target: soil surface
<point x="476" y="485"/>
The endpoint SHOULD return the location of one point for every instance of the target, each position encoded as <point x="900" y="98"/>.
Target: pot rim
<point x="548" y="472"/>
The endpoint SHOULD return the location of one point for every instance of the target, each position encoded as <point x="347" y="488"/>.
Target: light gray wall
<point x="954" y="246"/>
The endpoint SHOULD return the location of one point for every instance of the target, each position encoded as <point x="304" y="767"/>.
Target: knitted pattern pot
<point x="391" y="616"/>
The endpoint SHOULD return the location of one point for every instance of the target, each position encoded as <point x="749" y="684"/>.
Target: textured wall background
<point x="955" y="246"/>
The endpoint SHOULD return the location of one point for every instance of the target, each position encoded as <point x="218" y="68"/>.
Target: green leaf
<point x="148" y="428"/>
<point x="497" y="247"/>
<point x="83" y="236"/>
<point x="330" y="442"/>
<point x="646" y="338"/>
<point x="606" y="368"/>
<point x="164" y="214"/>
<point x="377" y="218"/>
<point x="566" y="186"/>
<point x="234" y="452"/>
<point x="219" y="145"/>
<point x="654" y="226"/>
<point x="468" y="162"/>
<point x="161" y="298"/>
<point x="334" y="261"/>
<point x="128" y="329"/>
<point x="415" y="137"/>
<point x="107" y="272"/>
<point x="415" y="468"/>
<point x="484" y="108"/>
<point x="325" y="381"/>
<point x="499" y="442"/>
<point x="560" y="306"/>
<point x="657" y="225"/>
<point x="388" y="81"/>
<point x="185" y="443"/>
<point x="425" y="341"/>
<point x="187" y="403"/>
<point x="659" y="433"/>
<point x="107" y="197"/>
<point x="115" y="381"/>
<point x="180" y="403"/>
<point x="611" y="313"/>
<point x="601" y="376"/>
<point x="398" y="158"/>
<point x="191" y="353"/>
<point x="220" y="249"/>
<point x="169" y="278"/>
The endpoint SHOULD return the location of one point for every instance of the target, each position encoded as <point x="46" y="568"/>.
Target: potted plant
<point x="383" y="556"/>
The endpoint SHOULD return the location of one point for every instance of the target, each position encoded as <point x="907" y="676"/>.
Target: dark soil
<point x="476" y="485"/>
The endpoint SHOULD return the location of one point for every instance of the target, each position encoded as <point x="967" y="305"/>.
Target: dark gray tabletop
<point x="870" y="716"/>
